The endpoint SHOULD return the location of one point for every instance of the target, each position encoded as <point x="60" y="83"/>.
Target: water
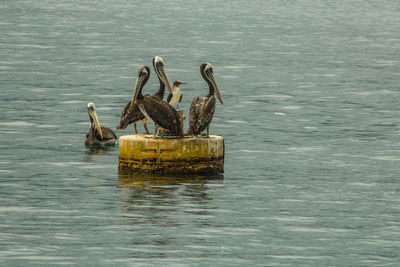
<point x="310" y="121"/>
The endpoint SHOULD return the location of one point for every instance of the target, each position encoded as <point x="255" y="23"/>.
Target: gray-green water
<point x="310" y="121"/>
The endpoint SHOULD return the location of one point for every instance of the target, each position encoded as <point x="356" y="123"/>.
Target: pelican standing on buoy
<point x="159" y="68"/>
<point x="202" y="109"/>
<point x="131" y="114"/>
<point x="155" y="109"/>
<point x="98" y="135"/>
<point x="175" y="97"/>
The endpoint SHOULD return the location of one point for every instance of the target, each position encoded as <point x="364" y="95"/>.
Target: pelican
<point x="98" y="135"/>
<point x="175" y="96"/>
<point x="155" y="109"/>
<point x="202" y="109"/>
<point x="131" y="114"/>
<point x="159" y="68"/>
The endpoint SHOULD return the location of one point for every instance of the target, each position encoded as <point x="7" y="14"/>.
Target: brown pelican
<point x="155" y="109"/>
<point x="202" y="109"/>
<point x="98" y="135"/>
<point x="159" y="67"/>
<point x="175" y="96"/>
<point x="131" y="114"/>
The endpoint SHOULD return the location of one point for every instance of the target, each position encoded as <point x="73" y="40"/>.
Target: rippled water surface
<point x="310" y="120"/>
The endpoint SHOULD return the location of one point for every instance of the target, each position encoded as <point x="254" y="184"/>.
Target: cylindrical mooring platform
<point x="188" y="155"/>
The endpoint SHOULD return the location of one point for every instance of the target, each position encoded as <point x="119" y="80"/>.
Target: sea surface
<point x="311" y="122"/>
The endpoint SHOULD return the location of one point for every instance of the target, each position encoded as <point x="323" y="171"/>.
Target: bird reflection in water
<point x="165" y="190"/>
<point x="162" y="206"/>
<point x="140" y="181"/>
<point x="98" y="150"/>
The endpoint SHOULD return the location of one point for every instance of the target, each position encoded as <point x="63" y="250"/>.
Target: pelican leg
<point x="208" y="131"/>
<point x="134" y="125"/>
<point x="145" y="127"/>
<point x="155" y="130"/>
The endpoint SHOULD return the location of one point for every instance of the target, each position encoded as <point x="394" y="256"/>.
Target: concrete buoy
<point x="167" y="155"/>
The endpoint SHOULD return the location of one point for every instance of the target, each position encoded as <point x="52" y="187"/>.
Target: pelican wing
<point x="93" y="137"/>
<point x="206" y="114"/>
<point x="163" y="114"/>
<point x="108" y="134"/>
<point x="201" y="113"/>
<point x="130" y="115"/>
<point x="195" y="110"/>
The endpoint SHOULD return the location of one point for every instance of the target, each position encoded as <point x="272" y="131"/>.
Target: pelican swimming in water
<point x="98" y="135"/>
<point x="175" y="97"/>
<point x="202" y="109"/>
<point x="155" y="109"/>
<point x="131" y="113"/>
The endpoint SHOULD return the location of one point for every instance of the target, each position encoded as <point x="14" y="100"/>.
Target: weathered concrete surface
<point x="188" y="155"/>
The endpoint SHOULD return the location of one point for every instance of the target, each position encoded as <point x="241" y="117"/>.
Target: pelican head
<point x="91" y="107"/>
<point x="158" y="64"/>
<point x="209" y="74"/>
<point x="143" y="76"/>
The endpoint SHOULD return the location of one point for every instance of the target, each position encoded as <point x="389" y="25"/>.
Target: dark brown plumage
<point x="158" y="111"/>
<point x="162" y="114"/>
<point x="202" y="109"/>
<point x="93" y="137"/>
<point x="201" y="114"/>
<point x="97" y="135"/>
<point x="131" y="114"/>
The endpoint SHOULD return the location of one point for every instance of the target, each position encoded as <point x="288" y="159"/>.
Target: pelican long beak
<point x="164" y="75"/>
<point x="93" y="114"/>
<point x="216" y="87"/>
<point x="139" y="80"/>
